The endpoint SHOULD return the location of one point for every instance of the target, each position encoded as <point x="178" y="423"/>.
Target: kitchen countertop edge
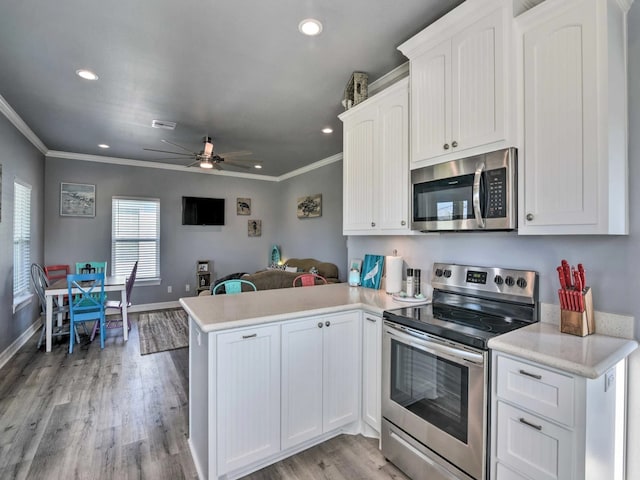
<point x="543" y="343"/>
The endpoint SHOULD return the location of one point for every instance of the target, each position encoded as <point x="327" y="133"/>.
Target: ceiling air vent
<point x="163" y="124"/>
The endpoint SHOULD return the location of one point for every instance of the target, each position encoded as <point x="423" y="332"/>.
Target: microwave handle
<point x="477" y="210"/>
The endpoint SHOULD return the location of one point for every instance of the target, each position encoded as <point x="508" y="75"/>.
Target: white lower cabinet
<point x="551" y="425"/>
<point x="320" y="376"/>
<point x="248" y="399"/>
<point x="371" y="369"/>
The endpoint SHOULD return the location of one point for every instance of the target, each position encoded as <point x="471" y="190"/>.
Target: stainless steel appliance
<point x="435" y="369"/>
<point x="473" y="193"/>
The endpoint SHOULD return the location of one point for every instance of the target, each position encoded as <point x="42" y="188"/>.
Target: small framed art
<point x="372" y="269"/>
<point x="243" y="206"/>
<point x="77" y="200"/>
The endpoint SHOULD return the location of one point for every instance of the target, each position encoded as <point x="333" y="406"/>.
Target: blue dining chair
<point x="232" y="286"/>
<point x="87" y="305"/>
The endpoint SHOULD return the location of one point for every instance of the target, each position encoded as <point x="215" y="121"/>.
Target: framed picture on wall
<point x="77" y="200"/>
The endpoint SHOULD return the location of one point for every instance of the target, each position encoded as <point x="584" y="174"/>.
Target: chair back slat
<point x="308" y="280"/>
<point x="91" y="267"/>
<point x="232" y="286"/>
<point x="56" y="272"/>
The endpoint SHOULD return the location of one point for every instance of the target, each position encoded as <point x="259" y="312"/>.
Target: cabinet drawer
<point x="528" y="443"/>
<point x="538" y="389"/>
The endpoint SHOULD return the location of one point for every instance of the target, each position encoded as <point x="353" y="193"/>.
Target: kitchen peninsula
<point x="274" y="372"/>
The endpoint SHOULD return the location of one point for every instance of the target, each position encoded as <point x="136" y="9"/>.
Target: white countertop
<point x="589" y="356"/>
<point x="220" y="312"/>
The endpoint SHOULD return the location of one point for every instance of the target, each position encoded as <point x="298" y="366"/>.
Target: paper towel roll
<point x="394" y="274"/>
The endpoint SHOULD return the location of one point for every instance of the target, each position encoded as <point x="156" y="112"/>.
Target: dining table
<point x="59" y="288"/>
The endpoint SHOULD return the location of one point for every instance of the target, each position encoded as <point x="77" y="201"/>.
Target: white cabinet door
<point x="431" y="103"/>
<point x="358" y="170"/>
<point x="341" y="370"/>
<point x="371" y="369"/>
<point x="248" y="399"/>
<point x="459" y="86"/>
<point x="376" y="164"/>
<point x="478" y="92"/>
<point x="392" y="195"/>
<point x="574" y="158"/>
<point x="302" y="353"/>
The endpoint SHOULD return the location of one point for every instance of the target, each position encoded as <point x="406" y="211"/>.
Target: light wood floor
<point x="114" y="414"/>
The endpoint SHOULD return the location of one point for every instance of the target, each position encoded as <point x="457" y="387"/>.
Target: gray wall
<point x="319" y="238"/>
<point x="612" y="262"/>
<point x="71" y="239"/>
<point x="21" y="160"/>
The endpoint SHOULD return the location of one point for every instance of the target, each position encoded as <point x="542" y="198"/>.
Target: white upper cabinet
<point x="573" y="164"/>
<point x="376" y="164"/>
<point x="460" y="84"/>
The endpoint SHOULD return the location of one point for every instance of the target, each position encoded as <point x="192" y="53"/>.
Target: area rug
<point x="163" y="330"/>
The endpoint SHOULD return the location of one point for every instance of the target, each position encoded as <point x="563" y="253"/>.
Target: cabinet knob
<point x="319" y="324"/>
<point x="529" y="216"/>
<point x="373" y="224"/>
<point x="446" y="146"/>
<point x="454" y="144"/>
<point x="403" y="223"/>
<point x="327" y="323"/>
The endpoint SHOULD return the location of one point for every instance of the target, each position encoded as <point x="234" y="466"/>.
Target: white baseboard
<point x="12" y="349"/>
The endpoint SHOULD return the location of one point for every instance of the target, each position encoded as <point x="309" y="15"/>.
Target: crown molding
<point x="320" y="163"/>
<point x="388" y="79"/>
<point x="20" y="124"/>
<point x="144" y="164"/>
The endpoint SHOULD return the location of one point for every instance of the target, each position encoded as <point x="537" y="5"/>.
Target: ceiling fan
<point x="207" y="159"/>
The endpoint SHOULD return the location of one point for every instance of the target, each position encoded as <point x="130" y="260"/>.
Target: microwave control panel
<point x="496" y="193"/>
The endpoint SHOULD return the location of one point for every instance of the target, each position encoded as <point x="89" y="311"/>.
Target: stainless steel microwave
<point x="473" y="193"/>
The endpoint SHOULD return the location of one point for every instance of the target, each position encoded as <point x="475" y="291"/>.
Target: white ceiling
<point x="236" y="70"/>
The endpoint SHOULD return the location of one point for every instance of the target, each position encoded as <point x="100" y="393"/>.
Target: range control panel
<point x="495" y="282"/>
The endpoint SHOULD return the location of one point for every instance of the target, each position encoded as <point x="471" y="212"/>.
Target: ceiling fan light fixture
<point x="310" y="26"/>
<point x="206" y="163"/>
<point x="86" y="74"/>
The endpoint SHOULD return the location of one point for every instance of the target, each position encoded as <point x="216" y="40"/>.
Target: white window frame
<point x="22" y="289"/>
<point x="123" y="233"/>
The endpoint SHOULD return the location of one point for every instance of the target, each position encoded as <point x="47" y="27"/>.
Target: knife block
<point x="579" y="323"/>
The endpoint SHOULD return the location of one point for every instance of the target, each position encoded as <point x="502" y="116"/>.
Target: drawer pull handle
<point x="532" y="375"/>
<point x="528" y="424"/>
<point x="244" y="337"/>
<point x="371" y="319"/>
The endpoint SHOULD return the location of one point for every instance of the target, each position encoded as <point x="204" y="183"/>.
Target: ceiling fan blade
<point x="167" y="151"/>
<point x="235" y="164"/>
<point x="240" y="153"/>
<point x="217" y="166"/>
<point x="177" y="145"/>
<point x="193" y="164"/>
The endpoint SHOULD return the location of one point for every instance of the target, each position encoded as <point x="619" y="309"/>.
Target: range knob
<point x="498" y="280"/>
<point x="521" y="282"/>
<point x="447" y="273"/>
<point x="509" y="281"/>
<point x="438" y="272"/>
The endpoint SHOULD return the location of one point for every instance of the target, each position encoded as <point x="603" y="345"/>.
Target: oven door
<point x="435" y="391"/>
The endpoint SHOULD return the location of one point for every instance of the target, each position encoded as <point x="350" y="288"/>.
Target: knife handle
<point x="582" y="275"/>
<point x="563" y="283"/>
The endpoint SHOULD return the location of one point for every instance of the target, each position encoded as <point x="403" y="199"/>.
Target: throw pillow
<point x="291" y="269"/>
<point x="313" y="270"/>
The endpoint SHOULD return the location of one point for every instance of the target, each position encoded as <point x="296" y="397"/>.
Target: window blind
<point x="135" y="235"/>
<point x="21" y="240"/>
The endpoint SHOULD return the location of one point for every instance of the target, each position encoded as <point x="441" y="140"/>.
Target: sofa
<point x="282" y="276"/>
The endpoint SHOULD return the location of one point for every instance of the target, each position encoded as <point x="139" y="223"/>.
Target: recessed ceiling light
<point x="103" y="145"/>
<point x="86" y="74"/>
<point x="310" y="26"/>
<point x="257" y="166"/>
<point x="327" y="130"/>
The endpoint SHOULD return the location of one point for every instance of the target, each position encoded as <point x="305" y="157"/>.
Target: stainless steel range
<point x="435" y="369"/>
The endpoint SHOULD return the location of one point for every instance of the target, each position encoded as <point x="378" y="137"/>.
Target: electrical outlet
<point x="169" y="289"/>
<point x="187" y="287"/>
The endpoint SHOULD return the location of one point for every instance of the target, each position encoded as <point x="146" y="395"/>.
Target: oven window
<point x="433" y="388"/>
<point x="447" y="199"/>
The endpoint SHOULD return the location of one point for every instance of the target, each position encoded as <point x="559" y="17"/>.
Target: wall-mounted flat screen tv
<point x="202" y="211"/>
